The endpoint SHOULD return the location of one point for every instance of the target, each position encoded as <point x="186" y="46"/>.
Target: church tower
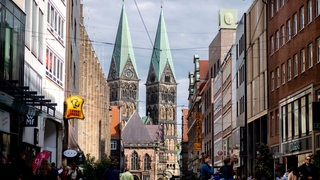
<point x="161" y="97"/>
<point x="123" y="76"/>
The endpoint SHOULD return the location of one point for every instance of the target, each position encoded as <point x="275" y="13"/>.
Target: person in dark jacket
<point x="206" y="171"/>
<point x="308" y="170"/>
<point x="226" y="170"/>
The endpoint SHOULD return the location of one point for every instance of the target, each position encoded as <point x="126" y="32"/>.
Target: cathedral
<point x="149" y="143"/>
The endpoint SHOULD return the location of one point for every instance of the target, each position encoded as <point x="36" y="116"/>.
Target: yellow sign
<point x="197" y="147"/>
<point x="197" y="115"/>
<point x="73" y="108"/>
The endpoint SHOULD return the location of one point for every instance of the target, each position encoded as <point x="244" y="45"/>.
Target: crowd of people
<point x="46" y="171"/>
<point x="307" y="171"/>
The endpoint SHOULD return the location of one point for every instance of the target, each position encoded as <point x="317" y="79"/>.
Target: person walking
<point x="54" y="175"/>
<point x="226" y="170"/>
<point x="111" y="173"/>
<point x="206" y="171"/>
<point x="126" y="175"/>
<point x="307" y="170"/>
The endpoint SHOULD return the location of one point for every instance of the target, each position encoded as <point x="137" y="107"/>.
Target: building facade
<point x="256" y="79"/>
<point x="94" y="131"/>
<point x="293" y="57"/>
<point x="218" y="49"/>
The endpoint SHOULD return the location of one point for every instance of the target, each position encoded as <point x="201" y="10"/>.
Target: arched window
<point x="147" y="162"/>
<point x="134" y="161"/>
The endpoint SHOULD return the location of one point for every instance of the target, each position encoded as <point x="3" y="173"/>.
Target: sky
<point x="191" y="26"/>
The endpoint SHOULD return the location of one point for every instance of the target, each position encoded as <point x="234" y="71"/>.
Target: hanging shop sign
<point x="73" y="108"/>
<point x="31" y="118"/>
<point x="70" y="153"/>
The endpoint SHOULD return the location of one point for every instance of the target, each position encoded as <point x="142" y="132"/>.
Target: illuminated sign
<point x="197" y="147"/>
<point x="73" y="108"/>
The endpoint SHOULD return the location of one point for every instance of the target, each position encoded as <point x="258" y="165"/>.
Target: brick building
<point x="294" y="76"/>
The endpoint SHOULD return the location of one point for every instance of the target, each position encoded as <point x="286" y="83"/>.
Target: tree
<point x="93" y="169"/>
<point x="264" y="162"/>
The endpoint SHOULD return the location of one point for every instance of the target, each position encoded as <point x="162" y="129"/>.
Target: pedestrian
<point x="72" y="173"/>
<point x="206" y="170"/>
<point x="45" y="169"/>
<point x="308" y="170"/>
<point x="226" y="170"/>
<point x="22" y="170"/>
<point x="126" y="175"/>
<point x="111" y="173"/>
<point x="54" y="175"/>
<point x="292" y="174"/>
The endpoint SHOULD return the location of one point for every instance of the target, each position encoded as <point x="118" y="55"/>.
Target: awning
<point x="20" y="97"/>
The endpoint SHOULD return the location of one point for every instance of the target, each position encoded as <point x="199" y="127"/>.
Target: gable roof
<point x="135" y="132"/>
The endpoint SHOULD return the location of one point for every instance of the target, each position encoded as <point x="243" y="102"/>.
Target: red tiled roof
<point x="204" y="69"/>
<point x="115" y="122"/>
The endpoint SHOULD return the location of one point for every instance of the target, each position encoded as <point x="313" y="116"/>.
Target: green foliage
<point x="316" y="160"/>
<point x="92" y="169"/>
<point x="264" y="162"/>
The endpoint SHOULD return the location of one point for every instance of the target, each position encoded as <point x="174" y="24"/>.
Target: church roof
<point x="123" y="49"/>
<point x="135" y="132"/>
<point x="161" y="55"/>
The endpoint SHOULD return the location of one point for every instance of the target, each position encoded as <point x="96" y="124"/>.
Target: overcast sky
<point x="191" y="26"/>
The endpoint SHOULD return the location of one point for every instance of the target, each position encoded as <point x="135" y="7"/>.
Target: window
<point x="281" y="3"/>
<point x="309" y="11"/>
<point x="167" y="78"/>
<point x="54" y="67"/>
<point x="276" y="5"/>
<point x="303" y="60"/>
<point x="283" y="76"/>
<point x="34" y="45"/>
<point x="40" y="36"/>
<point x="289" y="69"/>
<point x="277" y="41"/>
<point x="55" y="21"/>
<point x="295" y="65"/>
<point x="28" y="23"/>
<point x="283" y="37"/>
<point x="147" y="162"/>
<point x="272" y="81"/>
<point x="288" y="30"/>
<point x="145" y="177"/>
<point x="272" y="44"/>
<point x="318" y="50"/>
<point x="278" y="77"/>
<point x="302" y="17"/>
<point x="295" y="24"/>
<point x="134" y="161"/>
<point x="113" y="145"/>
<point x="272" y="124"/>
<point x="310" y="55"/>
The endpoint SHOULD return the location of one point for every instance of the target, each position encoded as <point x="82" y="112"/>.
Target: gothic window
<point x="163" y="113"/>
<point x="167" y="78"/>
<point x="147" y="162"/>
<point x="134" y="161"/>
<point x="170" y="113"/>
<point x="124" y="110"/>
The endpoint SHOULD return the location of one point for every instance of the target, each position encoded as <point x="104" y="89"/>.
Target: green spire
<point x="123" y="49"/>
<point x="161" y="54"/>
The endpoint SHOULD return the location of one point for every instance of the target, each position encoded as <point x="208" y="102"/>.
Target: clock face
<point x="129" y="73"/>
<point x="228" y="18"/>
